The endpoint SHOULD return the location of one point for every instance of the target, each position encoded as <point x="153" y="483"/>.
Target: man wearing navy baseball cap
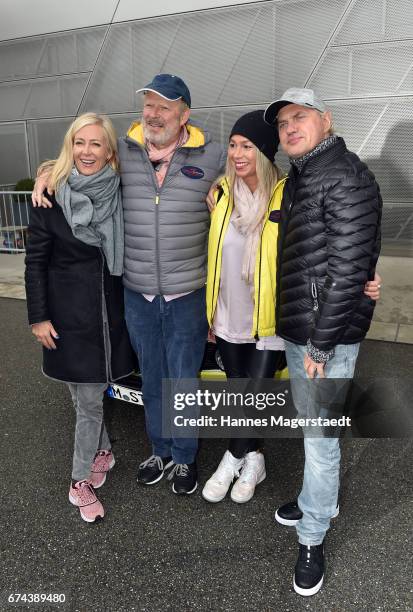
<point x="169" y="87"/>
<point x="167" y="165"/>
<point x="328" y="245"/>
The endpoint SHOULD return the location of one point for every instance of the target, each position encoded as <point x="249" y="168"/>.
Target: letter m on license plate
<point x="125" y="394"/>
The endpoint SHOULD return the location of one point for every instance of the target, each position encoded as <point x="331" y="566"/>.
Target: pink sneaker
<point x="102" y="463"/>
<point x="83" y="496"/>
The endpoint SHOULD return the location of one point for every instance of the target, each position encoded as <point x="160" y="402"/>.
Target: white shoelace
<point x="153" y="459"/>
<point x="85" y="493"/>
<point x="223" y="469"/>
<point x="249" y="471"/>
<point x="180" y="469"/>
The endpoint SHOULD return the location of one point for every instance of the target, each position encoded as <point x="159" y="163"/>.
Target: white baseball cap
<point x="294" y="95"/>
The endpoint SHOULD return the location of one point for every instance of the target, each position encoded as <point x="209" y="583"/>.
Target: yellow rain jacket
<point x="265" y="264"/>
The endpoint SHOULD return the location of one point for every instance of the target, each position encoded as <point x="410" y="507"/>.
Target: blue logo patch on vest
<point x="275" y="216"/>
<point x="192" y="172"/>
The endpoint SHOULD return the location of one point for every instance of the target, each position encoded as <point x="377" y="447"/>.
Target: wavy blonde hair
<point x="61" y="167"/>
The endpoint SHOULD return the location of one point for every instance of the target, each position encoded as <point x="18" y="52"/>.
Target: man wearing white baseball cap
<point x="294" y="95"/>
<point x="328" y="245"/>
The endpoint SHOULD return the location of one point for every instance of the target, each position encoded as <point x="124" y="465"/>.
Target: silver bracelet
<point x="318" y="355"/>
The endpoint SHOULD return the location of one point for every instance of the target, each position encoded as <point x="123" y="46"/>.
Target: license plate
<point x="125" y="394"/>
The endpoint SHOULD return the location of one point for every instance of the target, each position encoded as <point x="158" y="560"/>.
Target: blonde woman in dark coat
<point x="74" y="292"/>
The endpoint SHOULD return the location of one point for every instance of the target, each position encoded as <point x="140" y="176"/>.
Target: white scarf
<point x="248" y="218"/>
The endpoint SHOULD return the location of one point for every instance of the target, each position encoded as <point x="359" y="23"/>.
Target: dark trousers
<point x="245" y="361"/>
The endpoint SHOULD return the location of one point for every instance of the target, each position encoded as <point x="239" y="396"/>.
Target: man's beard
<point x="167" y="136"/>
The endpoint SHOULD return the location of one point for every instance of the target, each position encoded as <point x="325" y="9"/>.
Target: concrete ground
<point x="157" y="552"/>
<point x="12" y="275"/>
<point x="393" y="317"/>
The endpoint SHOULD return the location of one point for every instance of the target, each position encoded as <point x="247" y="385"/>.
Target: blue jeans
<point x="318" y="497"/>
<point x="169" y="339"/>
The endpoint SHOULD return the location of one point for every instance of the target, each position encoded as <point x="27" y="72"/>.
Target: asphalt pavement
<point x="156" y="551"/>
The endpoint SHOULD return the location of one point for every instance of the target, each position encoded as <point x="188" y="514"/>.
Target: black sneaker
<point x="309" y="570"/>
<point x="153" y="469"/>
<point x="290" y="514"/>
<point x="184" y="478"/>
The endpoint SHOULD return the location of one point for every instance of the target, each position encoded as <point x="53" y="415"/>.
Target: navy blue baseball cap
<point x="170" y="87"/>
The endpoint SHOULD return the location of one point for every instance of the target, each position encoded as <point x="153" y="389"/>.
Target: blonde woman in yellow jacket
<point x="242" y="259"/>
<point x="242" y="255"/>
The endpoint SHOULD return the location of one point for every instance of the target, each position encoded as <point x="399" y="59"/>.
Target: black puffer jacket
<point x="328" y="246"/>
<point x="66" y="282"/>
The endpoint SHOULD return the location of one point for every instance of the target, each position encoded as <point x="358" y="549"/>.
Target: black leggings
<point x="245" y="361"/>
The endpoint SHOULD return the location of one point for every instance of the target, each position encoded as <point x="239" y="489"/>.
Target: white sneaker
<point x="217" y="486"/>
<point x="252" y="473"/>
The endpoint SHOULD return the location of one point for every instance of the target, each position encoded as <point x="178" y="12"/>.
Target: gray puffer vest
<point x="166" y="228"/>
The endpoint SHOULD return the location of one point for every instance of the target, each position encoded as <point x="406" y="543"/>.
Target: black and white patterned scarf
<point x="322" y="146"/>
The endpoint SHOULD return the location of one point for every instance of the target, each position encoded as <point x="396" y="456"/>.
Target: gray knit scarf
<point x="322" y="146"/>
<point x="92" y="207"/>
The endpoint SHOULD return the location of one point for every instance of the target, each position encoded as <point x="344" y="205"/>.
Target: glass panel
<point x="48" y="55"/>
<point x="375" y="20"/>
<point x="399" y="19"/>
<point x="380" y="69"/>
<point x="45" y="139"/>
<point x="364" y="22"/>
<point x="331" y="80"/>
<point x="48" y="97"/>
<point x="236" y="49"/>
<point x="381" y="133"/>
<point x="389" y="151"/>
<point x="302" y="30"/>
<point x="365" y="70"/>
<point x="14" y="164"/>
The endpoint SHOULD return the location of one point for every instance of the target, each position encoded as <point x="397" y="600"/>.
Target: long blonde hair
<point x="268" y="175"/>
<point x="61" y="167"/>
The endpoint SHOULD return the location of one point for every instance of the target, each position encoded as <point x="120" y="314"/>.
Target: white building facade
<point x="58" y="60"/>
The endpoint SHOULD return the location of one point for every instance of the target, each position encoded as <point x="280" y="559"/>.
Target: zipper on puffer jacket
<point x="157" y="200"/>
<point x="220" y="238"/>
<point x="314" y="295"/>
<point x="158" y="191"/>
<point x="256" y="335"/>
<point x="290" y="190"/>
